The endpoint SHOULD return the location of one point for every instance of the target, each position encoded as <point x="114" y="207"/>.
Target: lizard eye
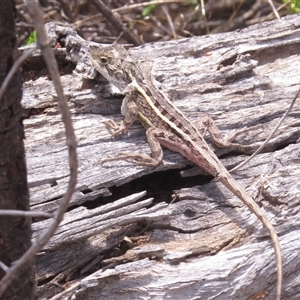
<point x="104" y="60"/>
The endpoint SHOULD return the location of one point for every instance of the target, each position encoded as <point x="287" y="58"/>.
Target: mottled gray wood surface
<point x="206" y="245"/>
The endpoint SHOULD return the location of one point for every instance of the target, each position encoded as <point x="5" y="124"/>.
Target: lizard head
<point x="114" y="63"/>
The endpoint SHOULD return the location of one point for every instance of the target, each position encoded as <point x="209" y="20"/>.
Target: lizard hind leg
<point x="206" y="123"/>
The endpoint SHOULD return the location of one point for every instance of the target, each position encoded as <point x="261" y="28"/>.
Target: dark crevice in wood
<point x="45" y="281"/>
<point x="159" y="185"/>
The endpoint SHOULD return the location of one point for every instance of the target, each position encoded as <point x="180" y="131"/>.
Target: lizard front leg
<point x="144" y="159"/>
<point x="130" y="111"/>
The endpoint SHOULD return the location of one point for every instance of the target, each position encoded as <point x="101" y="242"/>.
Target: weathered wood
<point x="208" y="244"/>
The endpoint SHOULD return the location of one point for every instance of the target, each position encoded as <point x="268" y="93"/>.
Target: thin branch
<point x="270" y="135"/>
<point x="21" y="213"/>
<point x="169" y="19"/>
<point x="125" y="9"/>
<point x="159" y="25"/>
<point x="204" y="15"/>
<point x="144" y="4"/>
<point x="67" y="291"/>
<point x="235" y="12"/>
<point x="13" y="70"/>
<point x="274" y="10"/>
<point x="4" y="267"/>
<point x="241" y="19"/>
<point x="43" y="239"/>
<point x="115" y="21"/>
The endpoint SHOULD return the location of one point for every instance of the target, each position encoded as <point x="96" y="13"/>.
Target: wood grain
<point x="206" y="244"/>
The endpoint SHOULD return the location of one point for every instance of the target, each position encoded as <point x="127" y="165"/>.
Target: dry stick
<point x="159" y="25"/>
<point x="143" y="4"/>
<point x="270" y="15"/>
<point x="198" y="8"/>
<point x="204" y="16"/>
<point x="4" y="267"/>
<point x="274" y="10"/>
<point x="42" y="240"/>
<point x="270" y="135"/>
<point x="67" y="291"/>
<point x="125" y="9"/>
<point x="234" y="13"/>
<point x="245" y="16"/>
<point x="13" y="70"/>
<point x="66" y="7"/>
<point x="167" y="14"/>
<point x="116" y="23"/>
<point x="22" y="213"/>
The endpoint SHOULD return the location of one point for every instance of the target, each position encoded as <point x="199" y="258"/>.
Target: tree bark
<point x="15" y="232"/>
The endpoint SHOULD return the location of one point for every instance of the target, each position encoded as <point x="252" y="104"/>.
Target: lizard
<point x="167" y="126"/>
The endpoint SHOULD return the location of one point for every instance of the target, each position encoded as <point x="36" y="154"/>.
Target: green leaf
<point x="294" y="5"/>
<point x="148" y="9"/>
<point x="32" y="38"/>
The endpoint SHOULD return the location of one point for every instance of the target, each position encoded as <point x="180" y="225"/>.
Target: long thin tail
<point x="233" y="186"/>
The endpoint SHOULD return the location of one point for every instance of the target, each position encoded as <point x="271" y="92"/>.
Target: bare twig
<point x="270" y="135"/>
<point x="204" y="15"/>
<point x="159" y="25"/>
<point x="166" y="12"/>
<point x="21" y="213"/>
<point x="113" y="19"/>
<point x="274" y="9"/>
<point x="13" y="70"/>
<point x="67" y="291"/>
<point x="241" y="19"/>
<point x="42" y="240"/>
<point x="235" y="11"/>
<point x="65" y="4"/>
<point x="269" y="16"/>
<point x="144" y="4"/>
<point x="4" y="267"/>
<point x="125" y="9"/>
